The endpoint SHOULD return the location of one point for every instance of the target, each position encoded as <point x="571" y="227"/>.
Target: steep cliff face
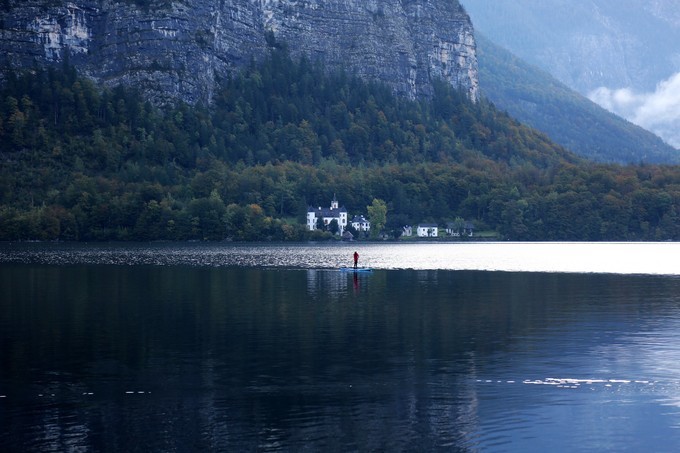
<point x="179" y="49"/>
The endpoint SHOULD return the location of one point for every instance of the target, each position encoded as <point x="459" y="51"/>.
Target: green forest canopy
<point x="83" y="163"/>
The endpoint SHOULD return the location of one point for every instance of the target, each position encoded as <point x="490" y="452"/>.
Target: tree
<point x="333" y="226"/>
<point x="210" y="212"/>
<point x="377" y="215"/>
<point x="458" y="225"/>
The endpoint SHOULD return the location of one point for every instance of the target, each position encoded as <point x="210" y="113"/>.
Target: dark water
<point x="97" y="357"/>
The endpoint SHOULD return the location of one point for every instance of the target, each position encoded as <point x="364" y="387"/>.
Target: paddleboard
<point x="358" y="269"/>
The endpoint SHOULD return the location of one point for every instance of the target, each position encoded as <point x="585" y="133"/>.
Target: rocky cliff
<point x="179" y="49"/>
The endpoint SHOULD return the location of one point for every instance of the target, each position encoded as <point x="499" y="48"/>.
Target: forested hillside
<point x="79" y="163"/>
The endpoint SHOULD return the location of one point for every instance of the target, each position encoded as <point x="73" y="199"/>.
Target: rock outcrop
<point x="180" y="49"/>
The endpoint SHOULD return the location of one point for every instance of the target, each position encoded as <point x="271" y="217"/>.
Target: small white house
<point x="360" y="223"/>
<point x="327" y="215"/>
<point x="407" y="231"/>
<point x="427" y="230"/>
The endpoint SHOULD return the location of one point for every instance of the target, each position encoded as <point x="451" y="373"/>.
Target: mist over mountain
<point x="621" y="54"/>
<point x="539" y="100"/>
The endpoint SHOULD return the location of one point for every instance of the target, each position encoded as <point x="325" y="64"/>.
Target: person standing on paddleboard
<point x="356" y="259"/>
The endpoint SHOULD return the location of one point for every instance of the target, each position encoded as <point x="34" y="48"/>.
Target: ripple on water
<point x="631" y="385"/>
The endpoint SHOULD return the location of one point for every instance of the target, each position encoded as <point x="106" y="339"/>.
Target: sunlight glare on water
<point x="616" y="258"/>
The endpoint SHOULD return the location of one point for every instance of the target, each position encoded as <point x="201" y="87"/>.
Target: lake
<point x="442" y="347"/>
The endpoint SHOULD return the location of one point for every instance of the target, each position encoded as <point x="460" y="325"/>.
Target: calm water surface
<point x="573" y="347"/>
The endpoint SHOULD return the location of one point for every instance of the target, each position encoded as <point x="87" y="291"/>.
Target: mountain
<point x="587" y="44"/>
<point x="622" y="54"/>
<point x="378" y="101"/>
<point x="181" y="49"/>
<point x="539" y="100"/>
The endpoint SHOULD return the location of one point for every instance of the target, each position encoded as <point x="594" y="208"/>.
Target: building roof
<point x="326" y="212"/>
<point x="428" y="225"/>
<point x="359" y="219"/>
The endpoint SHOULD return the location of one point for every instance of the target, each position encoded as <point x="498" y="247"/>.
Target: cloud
<point x="658" y="111"/>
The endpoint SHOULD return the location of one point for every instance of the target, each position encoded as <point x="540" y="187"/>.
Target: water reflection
<point x="324" y="283"/>
<point x="334" y="285"/>
<point x="177" y="358"/>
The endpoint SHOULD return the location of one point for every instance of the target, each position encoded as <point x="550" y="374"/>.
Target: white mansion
<point x="327" y="215"/>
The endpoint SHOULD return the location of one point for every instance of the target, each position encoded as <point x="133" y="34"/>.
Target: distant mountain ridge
<point x="622" y="54"/>
<point x="181" y="49"/>
<point x="587" y="44"/>
<point x="570" y="119"/>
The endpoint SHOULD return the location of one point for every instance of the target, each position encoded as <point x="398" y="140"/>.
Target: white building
<point x="327" y="215"/>
<point x="427" y="230"/>
<point x="360" y="223"/>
